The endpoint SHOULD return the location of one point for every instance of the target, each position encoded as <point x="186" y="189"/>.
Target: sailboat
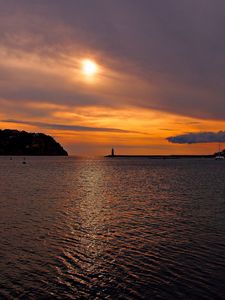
<point x="219" y="155"/>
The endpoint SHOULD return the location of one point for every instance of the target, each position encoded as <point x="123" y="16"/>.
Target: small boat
<point x="219" y="155"/>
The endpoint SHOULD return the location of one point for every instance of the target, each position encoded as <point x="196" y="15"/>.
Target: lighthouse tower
<point x="113" y="153"/>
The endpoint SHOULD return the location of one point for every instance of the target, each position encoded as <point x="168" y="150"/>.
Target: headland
<point x="14" y="142"/>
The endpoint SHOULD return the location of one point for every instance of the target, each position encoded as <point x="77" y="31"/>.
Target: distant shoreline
<point x="160" y="156"/>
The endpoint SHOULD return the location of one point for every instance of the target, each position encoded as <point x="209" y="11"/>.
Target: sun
<point x="89" y="67"/>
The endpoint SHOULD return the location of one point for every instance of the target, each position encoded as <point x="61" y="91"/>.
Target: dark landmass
<point x="14" y="142"/>
<point x="113" y="155"/>
<point x="222" y="153"/>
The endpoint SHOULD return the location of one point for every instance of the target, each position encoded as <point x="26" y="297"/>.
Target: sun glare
<point x="89" y="67"/>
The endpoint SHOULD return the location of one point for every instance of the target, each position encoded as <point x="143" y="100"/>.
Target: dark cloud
<point x="67" y="127"/>
<point x="166" y="129"/>
<point x="198" y="137"/>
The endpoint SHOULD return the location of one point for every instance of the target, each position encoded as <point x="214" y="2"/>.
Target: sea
<point x="112" y="228"/>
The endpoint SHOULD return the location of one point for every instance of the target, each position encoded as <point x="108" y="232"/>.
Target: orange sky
<point x="147" y="130"/>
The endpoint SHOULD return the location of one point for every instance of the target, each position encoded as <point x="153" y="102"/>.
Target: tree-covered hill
<point x="14" y="142"/>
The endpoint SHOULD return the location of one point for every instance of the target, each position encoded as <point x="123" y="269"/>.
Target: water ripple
<point x="112" y="229"/>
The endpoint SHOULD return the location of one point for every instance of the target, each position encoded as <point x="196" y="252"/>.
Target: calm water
<point x="112" y="229"/>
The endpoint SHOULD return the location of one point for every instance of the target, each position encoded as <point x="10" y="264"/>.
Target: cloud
<point x="67" y="127"/>
<point x="165" y="55"/>
<point x="198" y="137"/>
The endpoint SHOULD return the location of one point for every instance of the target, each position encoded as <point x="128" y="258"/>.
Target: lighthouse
<point x="113" y="154"/>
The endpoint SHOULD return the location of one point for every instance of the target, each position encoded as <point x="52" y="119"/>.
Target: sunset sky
<point x="97" y="74"/>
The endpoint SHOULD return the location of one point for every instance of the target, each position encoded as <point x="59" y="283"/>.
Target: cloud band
<point x="198" y="137"/>
<point x="66" y="127"/>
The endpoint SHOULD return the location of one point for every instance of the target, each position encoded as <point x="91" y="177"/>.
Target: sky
<point x="160" y="69"/>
